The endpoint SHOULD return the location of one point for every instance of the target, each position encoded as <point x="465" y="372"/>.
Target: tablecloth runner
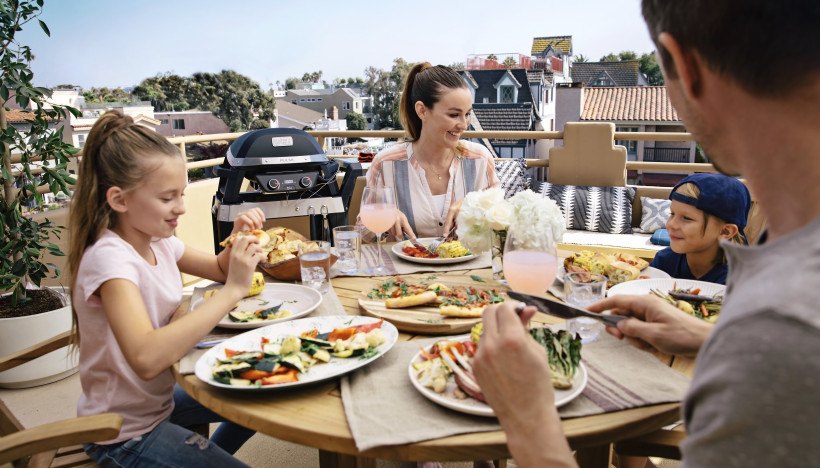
<point x="383" y="408"/>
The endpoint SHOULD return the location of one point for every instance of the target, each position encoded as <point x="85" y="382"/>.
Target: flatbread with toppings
<point x="455" y="301"/>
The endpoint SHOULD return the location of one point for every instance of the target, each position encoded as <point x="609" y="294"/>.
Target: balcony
<point x="666" y="155"/>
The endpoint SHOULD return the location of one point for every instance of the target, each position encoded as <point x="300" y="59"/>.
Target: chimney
<point x="334" y="113"/>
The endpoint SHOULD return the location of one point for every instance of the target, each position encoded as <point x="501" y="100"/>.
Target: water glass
<point x="348" y="243"/>
<point x="582" y="289"/>
<point x="314" y="264"/>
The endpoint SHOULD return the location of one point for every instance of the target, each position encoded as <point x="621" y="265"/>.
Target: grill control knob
<point x="273" y="184"/>
<point x="305" y="181"/>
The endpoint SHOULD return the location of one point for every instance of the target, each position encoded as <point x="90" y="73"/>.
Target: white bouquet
<point x="485" y="212"/>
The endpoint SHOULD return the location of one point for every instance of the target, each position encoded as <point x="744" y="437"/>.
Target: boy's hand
<point x="245" y="255"/>
<point x="249" y="220"/>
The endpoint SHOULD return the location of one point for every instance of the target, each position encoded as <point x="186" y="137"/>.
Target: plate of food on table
<point x="617" y="267"/>
<point x="432" y="251"/>
<point x="431" y="304"/>
<point x="442" y="372"/>
<point x="296" y="353"/>
<point x="699" y="298"/>
<point x="265" y="303"/>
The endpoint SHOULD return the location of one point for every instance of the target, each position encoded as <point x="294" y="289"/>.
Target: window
<point x="631" y="145"/>
<point x="80" y="140"/>
<point x="486" y="100"/>
<point x="346" y="105"/>
<point x="179" y="124"/>
<point x="293" y="102"/>
<point x="163" y="121"/>
<point x="507" y="94"/>
<point x="319" y="99"/>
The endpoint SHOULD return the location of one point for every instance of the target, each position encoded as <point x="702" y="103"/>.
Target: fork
<point x="461" y="369"/>
<point x="433" y="246"/>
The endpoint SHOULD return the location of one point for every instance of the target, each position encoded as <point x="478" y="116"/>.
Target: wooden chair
<point x="52" y="444"/>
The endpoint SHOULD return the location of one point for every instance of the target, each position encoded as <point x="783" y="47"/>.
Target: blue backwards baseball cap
<point x="721" y="196"/>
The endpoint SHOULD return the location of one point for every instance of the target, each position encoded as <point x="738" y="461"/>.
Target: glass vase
<point x="499" y="238"/>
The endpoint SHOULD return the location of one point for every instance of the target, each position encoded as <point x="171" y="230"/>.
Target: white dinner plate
<point x="299" y="300"/>
<point x="645" y="286"/>
<point x="425" y="241"/>
<point x="472" y="406"/>
<point x="252" y="341"/>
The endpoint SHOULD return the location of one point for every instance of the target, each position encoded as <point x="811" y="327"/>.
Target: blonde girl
<point x="125" y="268"/>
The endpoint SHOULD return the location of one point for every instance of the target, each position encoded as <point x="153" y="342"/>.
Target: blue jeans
<point x="169" y="444"/>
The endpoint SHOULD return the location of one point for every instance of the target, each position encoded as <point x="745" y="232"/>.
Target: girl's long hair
<point x="424" y="83"/>
<point x="117" y="153"/>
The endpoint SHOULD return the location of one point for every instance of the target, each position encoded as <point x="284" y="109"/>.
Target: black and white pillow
<point x="654" y="213"/>
<point x="599" y="209"/>
<point x="513" y="176"/>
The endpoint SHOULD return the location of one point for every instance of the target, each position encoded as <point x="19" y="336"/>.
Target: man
<point x="745" y="77"/>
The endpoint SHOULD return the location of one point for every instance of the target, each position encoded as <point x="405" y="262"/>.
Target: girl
<point x="706" y="208"/>
<point x="434" y="169"/>
<point x="125" y="285"/>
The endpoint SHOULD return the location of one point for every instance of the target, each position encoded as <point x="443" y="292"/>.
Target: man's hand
<point x="248" y="220"/>
<point x="655" y="324"/>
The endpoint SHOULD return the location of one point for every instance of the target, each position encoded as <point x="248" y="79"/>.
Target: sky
<point x="112" y="43"/>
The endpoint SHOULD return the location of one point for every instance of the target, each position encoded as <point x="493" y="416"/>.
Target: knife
<point x="562" y="309"/>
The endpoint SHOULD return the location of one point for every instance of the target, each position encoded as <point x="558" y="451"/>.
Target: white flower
<point x="530" y="214"/>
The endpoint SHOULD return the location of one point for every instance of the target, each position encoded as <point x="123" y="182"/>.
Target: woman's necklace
<point x="432" y="169"/>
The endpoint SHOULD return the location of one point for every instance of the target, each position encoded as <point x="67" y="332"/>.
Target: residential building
<point x="191" y="122"/>
<point x="631" y="109"/>
<point x="346" y="100"/>
<point x="624" y="73"/>
<point x="553" y="53"/>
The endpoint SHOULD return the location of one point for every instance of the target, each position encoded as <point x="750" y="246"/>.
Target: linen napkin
<point x="397" y="266"/>
<point x="383" y="407"/>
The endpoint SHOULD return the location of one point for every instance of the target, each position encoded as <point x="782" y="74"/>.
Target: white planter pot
<point x="19" y="333"/>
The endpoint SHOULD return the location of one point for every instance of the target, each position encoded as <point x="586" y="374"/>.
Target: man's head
<point x="716" y="55"/>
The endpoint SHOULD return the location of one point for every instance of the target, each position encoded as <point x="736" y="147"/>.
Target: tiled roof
<point x="633" y="103"/>
<point x="535" y="76"/>
<point x="515" y="117"/>
<point x="486" y="80"/>
<point x="562" y="44"/>
<point x="624" y="73"/>
<point x="297" y="113"/>
<point x="19" y="116"/>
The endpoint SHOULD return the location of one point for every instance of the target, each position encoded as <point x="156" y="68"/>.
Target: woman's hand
<point x="245" y="255"/>
<point x="401" y="228"/>
<point x="450" y="222"/>
<point x="248" y="220"/>
<point x="655" y="324"/>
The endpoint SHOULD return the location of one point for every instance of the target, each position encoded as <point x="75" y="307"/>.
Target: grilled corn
<point x="257" y="284"/>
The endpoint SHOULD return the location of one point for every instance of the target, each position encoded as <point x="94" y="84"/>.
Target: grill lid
<point x="273" y="146"/>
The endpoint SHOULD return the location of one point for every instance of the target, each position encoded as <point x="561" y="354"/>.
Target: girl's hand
<point x="450" y="222"/>
<point x="248" y="220"/>
<point x="401" y="228"/>
<point x="245" y="255"/>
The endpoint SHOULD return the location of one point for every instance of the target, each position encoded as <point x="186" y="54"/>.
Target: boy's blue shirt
<point x="677" y="267"/>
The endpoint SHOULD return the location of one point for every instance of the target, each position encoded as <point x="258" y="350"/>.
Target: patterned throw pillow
<point x="599" y="209"/>
<point x="513" y="176"/>
<point x="654" y="213"/>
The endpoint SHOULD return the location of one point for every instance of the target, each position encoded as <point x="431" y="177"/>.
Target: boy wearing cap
<point x="706" y="208"/>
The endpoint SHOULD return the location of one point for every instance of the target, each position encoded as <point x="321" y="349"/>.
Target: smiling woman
<point x="433" y="169"/>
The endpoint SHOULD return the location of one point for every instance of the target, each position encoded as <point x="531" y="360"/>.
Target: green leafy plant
<point x="34" y="157"/>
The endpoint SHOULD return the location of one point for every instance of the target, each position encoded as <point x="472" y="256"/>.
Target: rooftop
<point x="624" y="73"/>
<point x="634" y="103"/>
<point x="561" y="44"/>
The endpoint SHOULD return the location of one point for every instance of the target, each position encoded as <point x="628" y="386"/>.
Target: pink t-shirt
<point x="109" y="384"/>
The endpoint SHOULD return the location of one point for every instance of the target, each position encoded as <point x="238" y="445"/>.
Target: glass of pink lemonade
<point x="530" y="260"/>
<point x="378" y="214"/>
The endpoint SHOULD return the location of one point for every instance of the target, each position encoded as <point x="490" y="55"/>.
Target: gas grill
<point x="288" y="175"/>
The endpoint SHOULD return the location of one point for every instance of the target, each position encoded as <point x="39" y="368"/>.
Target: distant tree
<point x="259" y="123"/>
<point x="312" y="77"/>
<point x="385" y="87"/>
<point x="66" y="86"/>
<point x="340" y="81"/>
<point x="610" y="57"/>
<point x="492" y="57"/>
<point x="620" y="56"/>
<point x="510" y="62"/>
<point x="580" y="58"/>
<point x="291" y="83"/>
<point x="166" y="91"/>
<point x="355" y="121"/>
<point x="457" y="66"/>
<point x="651" y="69"/>
<point x="102" y="95"/>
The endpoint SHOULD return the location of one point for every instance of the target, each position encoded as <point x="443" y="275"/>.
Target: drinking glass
<point x="582" y="289"/>
<point x="378" y="214"/>
<point x="314" y="264"/>
<point x="530" y="262"/>
<point x="348" y="241"/>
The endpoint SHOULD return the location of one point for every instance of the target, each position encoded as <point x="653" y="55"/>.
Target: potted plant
<point x="34" y="160"/>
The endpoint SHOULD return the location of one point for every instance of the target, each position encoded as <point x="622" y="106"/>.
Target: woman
<point x="433" y="169"/>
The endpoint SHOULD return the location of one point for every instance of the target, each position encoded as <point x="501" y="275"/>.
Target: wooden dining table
<point x="314" y="415"/>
